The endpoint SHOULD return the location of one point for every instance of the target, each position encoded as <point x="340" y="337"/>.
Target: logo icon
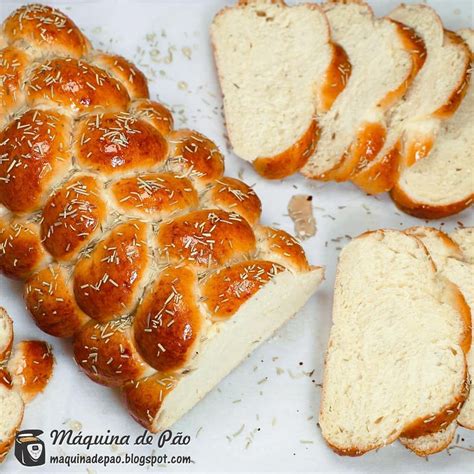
<point x="29" y="449"/>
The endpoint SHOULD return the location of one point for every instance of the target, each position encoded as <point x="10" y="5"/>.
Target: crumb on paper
<point x="300" y="210"/>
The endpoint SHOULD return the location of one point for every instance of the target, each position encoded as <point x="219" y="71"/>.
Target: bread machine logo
<point x="29" y="449"/>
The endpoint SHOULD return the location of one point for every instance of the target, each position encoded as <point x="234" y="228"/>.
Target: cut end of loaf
<point x="231" y="342"/>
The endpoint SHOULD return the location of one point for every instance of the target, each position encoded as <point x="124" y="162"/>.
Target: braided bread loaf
<point x="128" y="236"/>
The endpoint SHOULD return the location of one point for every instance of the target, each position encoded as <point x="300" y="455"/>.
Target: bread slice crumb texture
<point x="380" y="64"/>
<point x="395" y="362"/>
<point x="271" y="61"/>
<point x="443" y="183"/>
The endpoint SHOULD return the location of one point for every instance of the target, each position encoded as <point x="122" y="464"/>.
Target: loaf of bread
<point x="384" y="57"/>
<point x="277" y="69"/>
<point x="24" y="373"/>
<point x="130" y="238"/>
<point x="396" y="360"/>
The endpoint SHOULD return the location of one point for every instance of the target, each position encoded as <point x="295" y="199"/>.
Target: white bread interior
<point x="11" y="409"/>
<point x="380" y="64"/>
<point x="414" y="120"/>
<point x="6" y="334"/>
<point x="451" y="261"/>
<point x="446" y="176"/>
<point x="388" y="364"/>
<point x="271" y="60"/>
<point x="233" y="340"/>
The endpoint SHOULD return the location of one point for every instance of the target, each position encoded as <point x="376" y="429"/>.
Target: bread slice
<point x="12" y="405"/>
<point x="384" y="58"/>
<point x="443" y="183"/>
<point x="454" y="265"/>
<point x="12" y="408"/>
<point x="433" y="96"/>
<point x="275" y="64"/>
<point x="230" y="343"/>
<point x="462" y="274"/>
<point x="388" y="372"/>
<point x="6" y="335"/>
<point x="431" y="444"/>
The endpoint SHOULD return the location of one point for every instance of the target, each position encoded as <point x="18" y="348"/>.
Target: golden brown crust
<point x="95" y="228"/>
<point x="31" y="367"/>
<point x="36" y="151"/>
<point x="117" y="142"/>
<point x="426" y="211"/>
<point x="145" y="397"/>
<point x="51" y="303"/>
<point x="106" y="353"/>
<point x="281" y="247"/>
<point x="432" y="424"/>
<point x="364" y="149"/>
<point x="72" y="217"/>
<point x="168" y="323"/>
<point x="125" y="72"/>
<point x="107" y="282"/>
<point x="195" y="156"/>
<point x="5" y="378"/>
<point x="206" y="238"/>
<point x="46" y="29"/>
<point x="75" y="85"/>
<point x="154" y="113"/>
<point x="381" y="176"/>
<point x="291" y="160"/>
<point x="21" y="252"/>
<point x="13" y="64"/>
<point x="156" y="195"/>
<point x="336" y="77"/>
<point x="233" y="195"/>
<point x="226" y="290"/>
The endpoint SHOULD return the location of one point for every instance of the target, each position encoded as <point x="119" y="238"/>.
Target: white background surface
<point x="245" y="424"/>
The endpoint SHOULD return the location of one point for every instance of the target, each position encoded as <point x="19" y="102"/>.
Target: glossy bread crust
<point x="125" y="230"/>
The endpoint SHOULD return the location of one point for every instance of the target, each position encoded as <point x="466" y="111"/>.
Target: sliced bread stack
<point x="24" y="372"/>
<point x="443" y="182"/>
<point x="384" y="57"/>
<point x="394" y="122"/>
<point x="398" y="355"/>
<point x="454" y="259"/>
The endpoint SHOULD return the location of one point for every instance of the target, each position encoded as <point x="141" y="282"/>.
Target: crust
<point x="336" y="77"/>
<point x="438" y="443"/>
<point x="382" y="175"/>
<point x="291" y="160"/>
<point x="432" y="424"/>
<point x="370" y="139"/>
<point x="427" y="211"/>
